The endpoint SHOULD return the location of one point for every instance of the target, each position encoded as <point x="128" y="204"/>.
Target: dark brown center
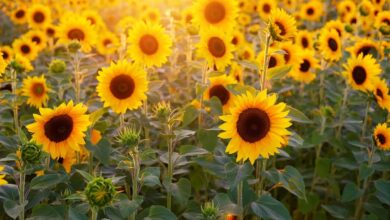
<point x="50" y="32"/>
<point x="367" y="50"/>
<point x="148" y="44"/>
<point x="287" y="56"/>
<point x="272" y="62"/>
<point x="5" y="55"/>
<point x="266" y="8"/>
<point x="38" y="89"/>
<point x="305" y="42"/>
<point x="310" y="11"/>
<point x="281" y="28"/>
<point x="39" y="17"/>
<point x="235" y="40"/>
<point x="122" y="86"/>
<point x="25" y="49"/>
<point x="214" y="12"/>
<point x="305" y="66"/>
<point x="381" y="138"/>
<point x="36" y="39"/>
<point x="107" y="42"/>
<point x="216" y="47"/>
<point x="20" y="13"/>
<point x="379" y="93"/>
<point x="253" y="124"/>
<point x="76" y="34"/>
<point x="359" y="75"/>
<point x="332" y="44"/>
<point x="59" y="128"/>
<point x="220" y="92"/>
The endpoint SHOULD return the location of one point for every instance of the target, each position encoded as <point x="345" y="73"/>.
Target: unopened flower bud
<point x="100" y="192"/>
<point x="57" y="66"/>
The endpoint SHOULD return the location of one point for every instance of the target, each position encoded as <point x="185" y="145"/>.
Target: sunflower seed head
<point x="100" y="192"/>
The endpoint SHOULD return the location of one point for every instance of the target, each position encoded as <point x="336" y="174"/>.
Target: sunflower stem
<point x="76" y="65"/>
<point x="170" y="166"/>
<point x="365" y="119"/>
<point x="265" y="63"/>
<point x="204" y="78"/>
<point x="15" y="99"/>
<point x="343" y="106"/>
<point x="94" y="214"/>
<point x="318" y="152"/>
<point x="240" y="187"/>
<point x="136" y="169"/>
<point x="22" y="182"/>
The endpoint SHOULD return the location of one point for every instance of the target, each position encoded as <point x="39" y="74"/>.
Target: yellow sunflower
<point x="38" y="37"/>
<point x="151" y="15"/>
<point x="346" y="7"/>
<point x="256" y="126"/>
<point x="218" y="88"/>
<point x="26" y="48"/>
<point x="382" y="136"/>
<point x="304" y="70"/>
<point x="94" y="18"/>
<point x="238" y="38"/>
<point x="237" y="72"/>
<point x="76" y="27"/>
<point x="122" y="86"/>
<point x="246" y="52"/>
<point x="362" y="71"/>
<point x="336" y="25"/>
<point x="61" y="129"/>
<point x="7" y="53"/>
<point x="39" y="16"/>
<point x="274" y="59"/>
<point x="187" y="16"/>
<point x="244" y="19"/>
<point x="330" y="45"/>
<point x="50" y="31"/>
<point x="36" y="90"/>
<point x="364" y="46"/>
<point x="312" y="10"/>
<point x="216" y="47"/>
<point x="19" y="15"/>
<point x="220" y="14"/>
<point x="282" y="25"/>
<point x="107" y="43"/>
<point x="149" y="44"/>
<point x="291" y="50"/>
<point x="3" y="64"/>
<point x="381" y="93"/>
<point x="23" y="62"/>
<point x="382" y="20"/>
<point x="264" y="8"/>
<point x="68" y="160"/>
<point x="2" y="176"/>
<point x="304" y="39"/>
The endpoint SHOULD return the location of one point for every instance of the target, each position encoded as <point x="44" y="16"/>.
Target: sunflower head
<point x="149" y="44"/>
<point x="382" y="136"/>
<point x="21" y="64"/>
<point x="31" y="153"/>
<point x="7" y="53"/>
<point x="361" y="72"/>
<point x="256" y="126"/>
<point x="3" y="64"/>
<point x="282" y="26"/>
<point x="381" y="94"/>
<point x="39" y="16"/>
<point x="19" y="14"/>
<point x="304" y="69"/>
<point x="57" y="66"/>
<point x="122" y="86"/>
<point x="36" y="90"/>
<point x="312" y="10"/>
<point x="364" y="46"/>
<point x="26" y="48"/>
<point x="210" y="211"/>
<point x="60" y="130"/>
<point x="129" y="137"/>
<point x="330" y="45"/>
<point x="100" y="192"/>
<point x="218" y="88"/>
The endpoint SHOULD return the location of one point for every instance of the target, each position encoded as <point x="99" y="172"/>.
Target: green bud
<point x="210" y="211"/>
<point x="31" y="153"/>
<point x="363" y="11"/>
<point x="100" y="192"/>
<point x="162" y="110"/>
<point x="129" y="137"/>
<point x="16" y="66"/>
<point x="57" y="66"/>
<point x="385" y="29"/>
<point x="192" y="29"/>
<point x="74" y="46"/>
<point x="348" y="28"/>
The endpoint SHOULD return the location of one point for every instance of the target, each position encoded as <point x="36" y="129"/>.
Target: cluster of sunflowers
<point x="167" y="109"/>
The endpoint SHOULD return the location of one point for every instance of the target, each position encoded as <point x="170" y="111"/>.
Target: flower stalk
<point x="22" y="183"/>
<point x="15" y="101"/>
<point x="135" y="176"/>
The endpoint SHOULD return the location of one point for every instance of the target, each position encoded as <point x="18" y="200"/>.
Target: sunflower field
<point x="194" y="109"/>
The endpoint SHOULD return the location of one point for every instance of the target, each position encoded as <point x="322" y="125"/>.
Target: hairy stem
<point x="22" y="182"/>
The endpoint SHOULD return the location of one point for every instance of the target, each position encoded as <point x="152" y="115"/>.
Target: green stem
<point x="262" y="179"/>
<point x="94" y="214"/>
<point x="204" y="78"/>
<point x="15" y="104"/>
<point x="265" y="63"/>
<point x="365" y="119"/>
<point x="76" y="64"/>
<point x="318" y="152"/>
<point x="240" y="187"/>
<point x="146" y="122"/>
<point x="136" y="163"/>
<point x="170" y="167"/>
<point x="343" y="106"/>
<point x="22" y="181"/>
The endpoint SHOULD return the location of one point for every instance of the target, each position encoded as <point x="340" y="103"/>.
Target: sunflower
<point x="312" y="10"/>
<point x="336" y="25"/>
<point x="216" y="47"/>
<point x="291" y="52"/>
<point x="26" y="48"/>
<point x="39" y="16"/>
<point x="220" y="14"/>
<point x="264" y="8"/>
<point x="364" y="46"/>
<point x="68" y="160"/>
<point x="218" y="88"/>
<point x="107" y="43"/>
<point x="256" y="126"/>
<point x="38" y="37"/>
<point x="3" y="64"/>
<point x="381" y="93"/>
<point x="378" y="3"/>
<point x="330" y="45"/>
<point x="304" y="39"/>
<point x="382" y="136"/>
<point x="304" y="70"/>
<point x="346" y="7"/>
<point x="244" y="19"/>
<point x="151" y="15"/>
<point x="290" y="4"/>
<point x="50" y="31"/>
<point x="187" y="15"/>
<point x="238" y="38"/>
<point x="36" y="90"/>
<point x="60" y="130"/>
<point x="94" y="18"/>
<point x="7" y="53"/>
<point x="246" y="52"/>
<point x="149" y="44"/>
<point x="274" y="59"/>
<point x="237" y="72"/>
<point x="19" y="15"/>
<point x="282" y="25"/>
<point x="366" y="9"/>
<point x="122" y="86"/>
<point x="2" y="176"/>
<point x="75" y="27"/>
<point x="382" y="20"/>
<point x="23" y="62"/>
<point x="361" y="72"/>
<point x="125" y="24"/>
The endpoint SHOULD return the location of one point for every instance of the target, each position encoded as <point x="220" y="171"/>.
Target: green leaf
<point x="278" y="72"/>
<point x="383" y="191"/>
<point x="310" y="204"/>
<point x="290" y="179"/>
<point x="365" y="171"/>
<point x="191" y="150"/>
<point x="336" y="211"/>
<point x="269" y="208"/>
<point x="190" y="114"/>
<point x="236" y="173"/>
<point x="158" y="212"/>
<point x="207" y="138"/>
<point x="52" y="212"/>
<point x="47" y="181"/>
<point x="12" y="208"/>
<point x="96" y="115"/>
<point x="103" y="151"/>
<point x="181" y="191"/>
<point x="215" y="105"/>
<point x="298" y="116"/>
<point x="88" y="177"/>
<point x="323" y="166"/>
<point x="126" y="206"/>
<point x="351" y="192"/>
<point x="225" y="204"/>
